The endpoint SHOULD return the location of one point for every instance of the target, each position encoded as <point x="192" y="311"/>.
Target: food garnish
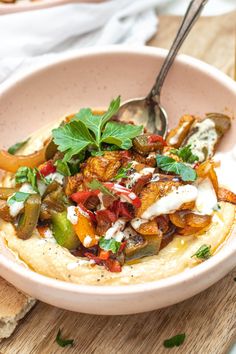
<point x="63" y="342"/>
<point x="175" y="341"/>
<point x="18" y="197"/>
<point x="123" y="172"/>
<point x="168" y="164"/>
<point x="31" y="176"/>
<point x="89" y="130"/>
<point x="109" y="245"/>
<point x="185" y="154"/>
<point x="203" y="253"/>
<point x="96" y="185"/>
<point x="14" y="148"/>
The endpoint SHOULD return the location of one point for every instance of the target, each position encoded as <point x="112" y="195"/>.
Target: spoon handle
<point x="194" y="10"/>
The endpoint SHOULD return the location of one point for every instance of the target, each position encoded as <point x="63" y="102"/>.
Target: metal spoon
<point x="148" y="109"/>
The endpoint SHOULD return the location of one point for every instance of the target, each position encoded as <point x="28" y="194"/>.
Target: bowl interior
<point x="94" y="78"/>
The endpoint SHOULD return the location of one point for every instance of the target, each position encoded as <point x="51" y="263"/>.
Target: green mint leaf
<point x="168" y="164"/>
<point x="63" y="168"/>
<point x="203" y="253"/>
<point x="14" y="148"/>
<point x="120" y="134"/>
<point x="123" y="172"/>
<point x="96" y="185"/>
<point x="95" y="123"/>
<point x="185" y="154"/>
<point x="109" y="245"/>
<point x="63" y="342"/>
<point x="72" y="138"/>
<point x="18" y="197"/>
<point x="175" y="341"/>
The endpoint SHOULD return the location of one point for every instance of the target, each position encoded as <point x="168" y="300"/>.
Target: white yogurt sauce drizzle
<point x="206" y="199"/>
<point x="171" y="202"/>
<point x="204" y="138"/>
<point x="116" y="231"/>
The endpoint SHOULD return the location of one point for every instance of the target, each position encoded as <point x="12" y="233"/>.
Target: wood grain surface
<point x="208" y="319"/>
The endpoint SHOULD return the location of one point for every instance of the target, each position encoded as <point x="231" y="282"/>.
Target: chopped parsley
<point x="174" y="341"/>
<point x="63" y="342"/>
<point x="203" y="253"/>
<point x="14" y="148"/>
<point x="29" y="175"/>
<point x="18" y="197"/>
<point x="168" y="164"/>
<point x="109" y="245"/>
<point x="96" y="185"/>
<point x="90" y="130"/>
<point x="123" y="172"/>
<point x="185" y="154"/>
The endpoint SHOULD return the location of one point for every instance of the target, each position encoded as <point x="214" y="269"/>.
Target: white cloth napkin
<point x="31" y="37"/>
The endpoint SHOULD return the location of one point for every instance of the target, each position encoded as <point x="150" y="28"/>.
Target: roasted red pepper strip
<point x="154" y="138"/>
<point x="89" y="212"/>
<point x="126" y="193"/>
<point x="104" y="255"/>
<point x="81" y="197"/>
<point x="113" y="265"/>
<point x="96" y="259"/>
<point x="47" y="168"/>
<point x="121" y="209"/>
<point x="107" y="215"/>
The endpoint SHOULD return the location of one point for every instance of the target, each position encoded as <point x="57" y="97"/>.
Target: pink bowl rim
<point x="171" y="282"/>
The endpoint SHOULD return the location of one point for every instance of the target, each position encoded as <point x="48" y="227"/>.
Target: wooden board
<point x="208" y="319"/>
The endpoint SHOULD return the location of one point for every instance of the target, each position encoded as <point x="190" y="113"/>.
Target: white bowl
<point x="92" y="78"/>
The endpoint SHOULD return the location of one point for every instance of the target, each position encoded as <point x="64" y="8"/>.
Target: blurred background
<point x="35" y="31"/>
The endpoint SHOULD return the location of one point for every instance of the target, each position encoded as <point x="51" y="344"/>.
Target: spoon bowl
<point x="152" y="116"/>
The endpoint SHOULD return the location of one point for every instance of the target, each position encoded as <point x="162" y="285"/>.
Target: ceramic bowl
<point x="91" y="78"/>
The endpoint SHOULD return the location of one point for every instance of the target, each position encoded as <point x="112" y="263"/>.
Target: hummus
<point x="46" y="257"/>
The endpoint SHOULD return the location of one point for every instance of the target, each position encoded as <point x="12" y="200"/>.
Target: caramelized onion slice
<point x="178" y="219"/>
<point x="187" y="220"/>
<point x="11" y="163"/>
<point x="207" y="170"/>
<point x="225" y="195"/>
<point x="199" y="221"/>
<point x="188" y="230"/>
